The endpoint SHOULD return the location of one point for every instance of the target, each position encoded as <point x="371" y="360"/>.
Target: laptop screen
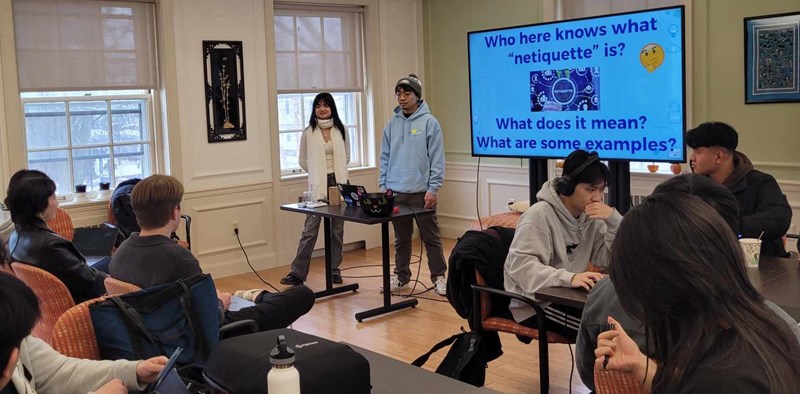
<point x="95" y="241"/>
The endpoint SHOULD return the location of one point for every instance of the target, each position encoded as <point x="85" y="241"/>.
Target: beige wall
<point x="769" y="133"/>
<point x="234" y="181"/>
<point x="447" y="86"/>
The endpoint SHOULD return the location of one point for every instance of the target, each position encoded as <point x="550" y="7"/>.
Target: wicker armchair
<point x="73" y="334"/>
<point x="117" y="287"/>
<point x="54" y="298"/>
<point x="615" y="382"/>
<point x="485" y="321"/>
<point x="62" y="224"/>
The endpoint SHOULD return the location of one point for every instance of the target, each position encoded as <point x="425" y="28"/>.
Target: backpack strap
<point x="132" y="318"/>
<point x="421" y="360"/>
<point x="193" y="320"/>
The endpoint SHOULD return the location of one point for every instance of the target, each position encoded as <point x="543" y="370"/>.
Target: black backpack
<point x="122" y="208"/>
<point x="465" y="361"/>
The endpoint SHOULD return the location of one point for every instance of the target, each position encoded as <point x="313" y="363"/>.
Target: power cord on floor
<point x="236" y="232"/>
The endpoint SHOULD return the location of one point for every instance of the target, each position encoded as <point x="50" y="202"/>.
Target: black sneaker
<point x="337" y="279"/>
<point x="291" y="280"/>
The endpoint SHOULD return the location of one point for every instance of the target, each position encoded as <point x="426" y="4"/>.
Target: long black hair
<point x="678" y="268"/>
<point x="27" y="196"/>
<point x="327" y="99"/>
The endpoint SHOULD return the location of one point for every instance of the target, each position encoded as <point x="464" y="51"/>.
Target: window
<point x="573" y="9"/>
<point x="89" y="137"/>
<point x="318" y="49"/>
<point x="87" y="72"/>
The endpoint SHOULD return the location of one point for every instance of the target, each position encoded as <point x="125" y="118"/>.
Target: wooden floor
<point x="406" y="334"/>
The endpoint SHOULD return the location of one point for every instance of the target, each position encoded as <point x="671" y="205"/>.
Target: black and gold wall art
<point x="224" y="85"/>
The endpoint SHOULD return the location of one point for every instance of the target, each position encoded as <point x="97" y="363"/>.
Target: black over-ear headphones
<point x="565" y="184"/>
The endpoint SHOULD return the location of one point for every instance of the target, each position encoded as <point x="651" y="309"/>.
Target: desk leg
<point x="387" y="294"/>
<point x="329" y="289"/>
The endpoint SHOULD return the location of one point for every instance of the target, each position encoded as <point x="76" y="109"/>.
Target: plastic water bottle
<point x="283" y="378"/>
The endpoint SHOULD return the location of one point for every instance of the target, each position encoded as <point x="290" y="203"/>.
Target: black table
<point x="777" y="279"/>
<point x="391" y="376"/>
<point x="355" y="214"/>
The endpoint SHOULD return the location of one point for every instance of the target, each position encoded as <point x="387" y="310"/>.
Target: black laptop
<point x="351" y="193"/>
<point x="95" y="243"/>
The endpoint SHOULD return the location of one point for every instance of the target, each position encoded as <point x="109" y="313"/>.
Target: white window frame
<point x="358" y="152"/>
<point x="107" y="96"/>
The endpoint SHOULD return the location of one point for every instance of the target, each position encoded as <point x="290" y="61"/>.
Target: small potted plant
<point x="653" y="167"/>
<point x="675" y="168"/>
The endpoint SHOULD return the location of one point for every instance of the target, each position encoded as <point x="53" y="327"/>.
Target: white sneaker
<point x="440" y="286"/>
<point x="395" y="285"/>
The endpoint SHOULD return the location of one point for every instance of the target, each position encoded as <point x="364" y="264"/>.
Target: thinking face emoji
<point x="651" y="56"/>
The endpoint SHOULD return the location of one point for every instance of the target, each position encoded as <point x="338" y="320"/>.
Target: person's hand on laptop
<point x="147" y="370"/>
<point x="225" y="298"/>
<point x="115" y="386"/>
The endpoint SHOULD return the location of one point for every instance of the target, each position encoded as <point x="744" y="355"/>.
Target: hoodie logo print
<point x="414" y="131"/>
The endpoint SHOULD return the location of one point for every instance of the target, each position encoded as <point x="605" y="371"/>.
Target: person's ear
<point x="9" y="368"/>
<point x="176" y="213"/>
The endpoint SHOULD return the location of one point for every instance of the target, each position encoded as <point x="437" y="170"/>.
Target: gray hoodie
<point x="538" y="256"/>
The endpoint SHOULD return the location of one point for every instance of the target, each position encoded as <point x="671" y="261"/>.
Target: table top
<point x="777" y="279"/>
<point x="388" y="375"/>
<point x="355" y="214"/>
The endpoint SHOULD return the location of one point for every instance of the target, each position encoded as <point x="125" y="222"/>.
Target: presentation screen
<point x="612" y="84"/>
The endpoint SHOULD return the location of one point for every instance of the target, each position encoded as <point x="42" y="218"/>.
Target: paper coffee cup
<point x="752" y="249"/>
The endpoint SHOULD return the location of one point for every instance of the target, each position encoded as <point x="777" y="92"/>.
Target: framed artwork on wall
<point x="772" y="58"/>
<point x="224" y="86"/>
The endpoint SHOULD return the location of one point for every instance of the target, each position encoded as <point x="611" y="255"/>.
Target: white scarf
<point x="317" y="170"/>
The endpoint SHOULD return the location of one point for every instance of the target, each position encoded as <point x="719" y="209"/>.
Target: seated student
<point x="29" y="365"/>
<point x="558" y="236"/>
<point x="679" y="270"/>
<point x="151" y="258"/>
<point x="603" y="301"/>
<point x="765" y="212"/>
<point x="32" y="201"/>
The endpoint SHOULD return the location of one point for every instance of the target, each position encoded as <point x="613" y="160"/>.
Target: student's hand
<point x="147" y="370"/>
<point x="225" y="298"/>
<point x="430" y="200"/>
<point x="598" y="210"/>
<point x="586" y="280"/>
<point x="623" y="353"/>
<point x="115" y="386"/>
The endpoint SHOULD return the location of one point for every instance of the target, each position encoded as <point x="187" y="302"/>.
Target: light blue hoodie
<point x="412" y="153"/>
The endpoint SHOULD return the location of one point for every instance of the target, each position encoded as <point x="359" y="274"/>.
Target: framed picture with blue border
<point x="772" y="58"/>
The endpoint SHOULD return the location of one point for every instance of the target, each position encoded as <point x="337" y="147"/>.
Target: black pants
<point x="276" y="310"/>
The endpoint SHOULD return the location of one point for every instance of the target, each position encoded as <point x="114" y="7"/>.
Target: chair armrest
<point x="237" y="328"/>
<point x="477" y="288"/>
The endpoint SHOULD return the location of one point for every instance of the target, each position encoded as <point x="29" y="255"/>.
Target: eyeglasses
<point x="403" y="94"/>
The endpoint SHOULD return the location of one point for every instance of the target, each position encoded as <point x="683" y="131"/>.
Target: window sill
<point x="89" y="202"/>
<point x="304" y="175"/>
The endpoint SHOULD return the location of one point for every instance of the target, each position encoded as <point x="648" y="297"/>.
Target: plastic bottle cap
<point x="281" y="354"/>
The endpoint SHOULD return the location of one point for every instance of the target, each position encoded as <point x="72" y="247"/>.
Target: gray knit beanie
<point x="411" y="82"/>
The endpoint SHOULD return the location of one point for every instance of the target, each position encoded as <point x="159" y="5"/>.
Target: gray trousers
<point x="428" y="231"/>
<point x="306" y="246"/>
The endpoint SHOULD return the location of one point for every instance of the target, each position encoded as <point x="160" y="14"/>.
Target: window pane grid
<point x="101" y="133"/>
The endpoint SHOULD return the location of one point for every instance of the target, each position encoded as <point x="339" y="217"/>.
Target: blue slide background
<point x="501" y="89"/>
